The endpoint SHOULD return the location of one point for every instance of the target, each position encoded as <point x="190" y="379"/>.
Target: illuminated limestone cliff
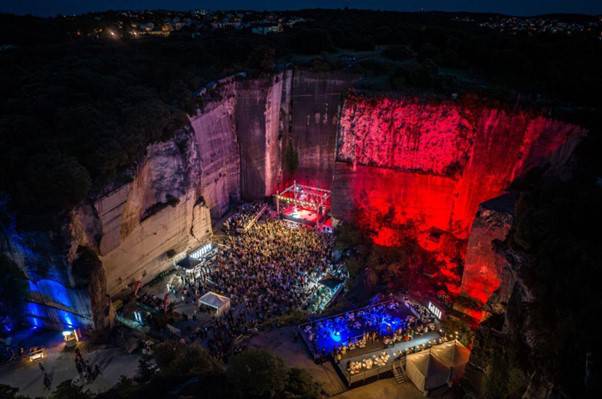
<point x="409" y="167"/>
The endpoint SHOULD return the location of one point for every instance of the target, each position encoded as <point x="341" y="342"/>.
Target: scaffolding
<point x="307" y="197"/>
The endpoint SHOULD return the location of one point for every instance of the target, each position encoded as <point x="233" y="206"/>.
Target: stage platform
<point x="300" y="215"/>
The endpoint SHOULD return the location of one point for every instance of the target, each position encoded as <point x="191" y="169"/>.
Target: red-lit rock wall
<point x="483" y="265"/>
<point x="406" y="166"/>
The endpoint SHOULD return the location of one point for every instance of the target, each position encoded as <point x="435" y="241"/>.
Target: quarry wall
<point x="154" y="218"/>
<point x="219" y="161"/>
<point x="407" y="167"/>
<point x="316" y="102"/>
<point x="484" y="267"/>
<point x="258" y="116"/>
<point x="53" y="300"/>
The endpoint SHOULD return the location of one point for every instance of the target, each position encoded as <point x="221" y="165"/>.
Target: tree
<point x="66" y="390"/>
<point x="8" y="392"/>
<point x="175" y="359"/>
<point x="256" y="374"/>
<point x="301" y="385"/>
<point x="52" y="181"/>
<point x="262" y="59"/>
<point x="124" y="389"/>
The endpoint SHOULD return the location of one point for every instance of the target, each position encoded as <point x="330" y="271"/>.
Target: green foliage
<point x="262" y="59"/>
<point x="300" y="385"/>
<point x="124" y="389"/>
<point x="420" y="75"/>
<point x="65" y="390"/>
<point x="51" y="181"/>
<point x="177" y="360"/>
<point x="399" y="52"/>
<point x="311" y="41"/>
<point x="79" y="115"/>
<point x="256" y="374"/>
<point x="13" y="288"/>
<point x="8" y="392"/>
<point x="354" y="266"/>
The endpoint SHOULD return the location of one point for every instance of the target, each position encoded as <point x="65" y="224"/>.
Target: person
<point x="78" y="367"/>
<point x="47" y="381"/>
<point x="96" y="372"/>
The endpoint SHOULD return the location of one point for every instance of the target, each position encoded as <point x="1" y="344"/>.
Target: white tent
<point x="426" y="371"/>
<point x="454" y="356"/>
<point x="220" y="303"/>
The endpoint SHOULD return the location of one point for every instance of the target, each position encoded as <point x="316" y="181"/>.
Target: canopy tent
<point x="219" y="303"/>
<point x="426" y="371"/>
<point x="454" y="356"/>
<point x="188" y="263"/>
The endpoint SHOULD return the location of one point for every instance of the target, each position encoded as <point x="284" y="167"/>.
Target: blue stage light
<point x="336" y="336"/>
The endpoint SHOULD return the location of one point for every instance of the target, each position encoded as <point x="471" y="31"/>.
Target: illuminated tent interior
<point x="454" y="356"/>
<point x="426" y="371"/>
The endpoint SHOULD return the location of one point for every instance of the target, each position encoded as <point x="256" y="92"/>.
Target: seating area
<point x="376" y="326"/>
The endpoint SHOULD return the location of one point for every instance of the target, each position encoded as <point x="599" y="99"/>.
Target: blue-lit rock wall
<point x="52" y="302"/>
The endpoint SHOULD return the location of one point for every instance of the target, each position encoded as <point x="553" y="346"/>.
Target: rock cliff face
<point x="485" y="269"/>
<point x="54" y="301"/>
<point x="157" y="216"/>
<point x="411" y="167"/>
<point x="316" y="103"/>
<point x="258" y="126"/>
<point x="231" y="151"/>
<point x="217" y="146"/>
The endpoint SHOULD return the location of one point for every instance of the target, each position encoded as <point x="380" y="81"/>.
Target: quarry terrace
<point x="308" y="222"/>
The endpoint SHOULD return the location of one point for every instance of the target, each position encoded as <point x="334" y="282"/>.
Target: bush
<point x="256" y="374"/>
<point x="177" y="360"/>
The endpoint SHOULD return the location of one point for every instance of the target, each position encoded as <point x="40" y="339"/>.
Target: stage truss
<point x="297" y="195"/>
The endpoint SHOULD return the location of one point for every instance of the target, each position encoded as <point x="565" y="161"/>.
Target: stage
<point x="300" y="215"/>
<point x="303" y="204"/>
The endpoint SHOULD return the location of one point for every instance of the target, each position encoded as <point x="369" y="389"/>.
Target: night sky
<point x="513" y="7"/>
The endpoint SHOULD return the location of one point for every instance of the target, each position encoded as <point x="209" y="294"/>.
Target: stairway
<point x="399" y="373"/>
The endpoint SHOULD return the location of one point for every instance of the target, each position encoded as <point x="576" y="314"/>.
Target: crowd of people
<point x="272" y="268"/>
<point x="267" y="268"/>
<point x="376" y="360"/>
<point x="86" y="372"/>
<point x="240" y="219"/>
<point x="381" y="360"/>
